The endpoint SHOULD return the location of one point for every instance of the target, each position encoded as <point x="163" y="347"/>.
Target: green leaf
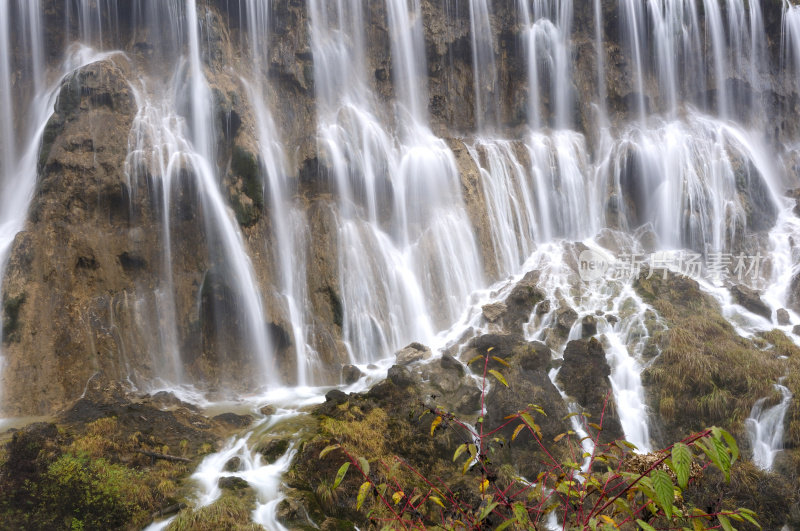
<point x="734" y="448"/>
<point x="328" y="449"/>
<point x="505" y="525"/>
<point x="726" y="524"/>
<point x="711" y="452"/>
<point x="460" y="450"/>
<point x="662" y="485"/>
<point x="362" y="494"/>
<point x="521" y="514"/>
<point x="682" y="463"/>
<point x="499" y="377"/>
<point x="476" y="358"/>
<point x="340" y="474"/>
<point x="364" y="464"/>
<point x="487" y="510"/>
<point x="644" y="525"/>
<point x="724" y="458"/>
<point x="748" y="515"/>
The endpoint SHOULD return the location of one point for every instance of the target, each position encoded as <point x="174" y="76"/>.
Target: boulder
<point x="232" y="483"/>
<point x="783" y="317"/>
<point x="493" y="312"/>
<point x="412" y="353"/>
<point x="565" y="318"/>
<point x="351" y="374"/>
<point x="584" y="377"/>
<point x="233" y="420"/>
<point x="751" y="300"/>
<point x="588" y="326"/>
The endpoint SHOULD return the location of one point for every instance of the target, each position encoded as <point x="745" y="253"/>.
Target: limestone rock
<point x="751" y="300"/>
<point x="588" y="326"/>
<point x="492" y="312"/>
<point x="783" y="317"/>
<point x="351" y="374"/>
<point x="584" y="376"/>
<point x="413" y="353"/>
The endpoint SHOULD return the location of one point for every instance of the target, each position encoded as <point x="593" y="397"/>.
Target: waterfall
<point x="403" y="261"/>
<point x="484" y="67"/>
<point x="547" y="41"/>
<point x="666" y="137"/>
<point x="765" y="428"/>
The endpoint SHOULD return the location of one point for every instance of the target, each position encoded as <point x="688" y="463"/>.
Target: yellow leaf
<point x="608" y="520"/>
<point x="327" y="450"/>
<point x="489" y="349"/>
<point x="437" y="501"/>
<point x="473" y="360"/>
<point x="435" y="423"/>
<point x="484" y="485"/>
<point x="397" y="496"/>
<point x="362" y="494"/>
<point x="595" y="426"/>
<point x="499" y="377"/>
<point x="559" y="437"/>
<point x="460" y="450"/>
<point x="501" y="360"/>
<point x="516" y="431"/>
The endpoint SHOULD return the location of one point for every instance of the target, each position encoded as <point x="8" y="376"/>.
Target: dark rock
<point x="796" y="330"/>
<point x="351" y="374"/>
<point x="612" y="319"/>
<point x="335" y="396"/>
<point x="234" y="464"/>
<point x="535" y="356"/>
<point x="502" y="346"/>
<point x="588" y="326"/>
<point x="783" y="317"/>
<point x="565" y="318"/>
<point x="232" y="483"/>
<point x="543" y="307"/>
<point x="273" y="449"/>
<point x="521" y="301"/>
<point x="751" y="300"/>
<point x="400" y="376"/>
<point x="233" y="420"/>
<point x="448" y="362"/>
<point x="268" y="410"/>
<point x="584" y="376"/>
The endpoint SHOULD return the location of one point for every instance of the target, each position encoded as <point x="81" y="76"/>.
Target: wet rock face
<point x="584" y="377"/>
<point x="750" y="299"/>
<point x="65" y="271"/>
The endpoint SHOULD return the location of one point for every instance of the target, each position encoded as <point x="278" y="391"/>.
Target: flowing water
<point x="765" y="428"/>
<point x="685" y="161"/>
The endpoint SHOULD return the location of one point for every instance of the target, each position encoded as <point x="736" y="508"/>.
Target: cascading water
<point x="405" y="261"/>
<point x="765" y="428"/>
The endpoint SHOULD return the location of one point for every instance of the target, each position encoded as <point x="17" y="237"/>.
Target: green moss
<point x="336" y="307"/>
<point x="707" y="374"/>
<point x="11" y="318"/>
<point x="94" y="494"/>
<point x="232" y="511"/>
<point x="245" y="165"/>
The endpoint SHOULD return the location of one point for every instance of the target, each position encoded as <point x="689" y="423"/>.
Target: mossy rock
<point x="11" y="317"/>
<point x="233" y="510"/>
